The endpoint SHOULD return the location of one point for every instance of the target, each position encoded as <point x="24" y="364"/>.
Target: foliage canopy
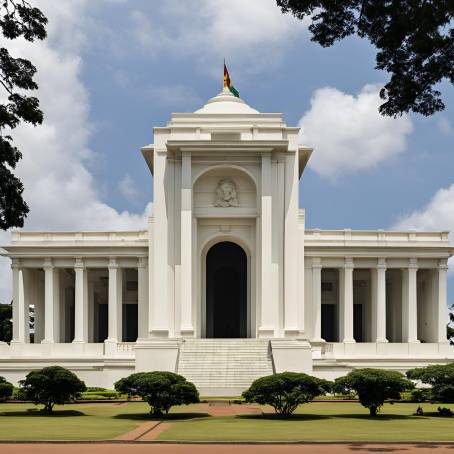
<point x="51" y="385"/>
<point x="373" y="386"/>
<point x="439" y="377"/>
<point x="161" y="390"/>
<point x="6" y="389"/>
<point x="414" y="41"/>
<point x="17" y="19"/>
<point x="285" y="391"/>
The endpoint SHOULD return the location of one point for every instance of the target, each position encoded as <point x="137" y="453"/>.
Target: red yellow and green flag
<point x="228" y="83"/>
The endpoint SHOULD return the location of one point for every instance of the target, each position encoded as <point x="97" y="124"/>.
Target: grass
<point x="321" y="421"/>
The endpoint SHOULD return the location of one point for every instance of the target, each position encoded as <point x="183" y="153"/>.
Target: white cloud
<point x="438" y="214"/>
<point x="59" y="188"/>
<point x="250" y="31"/>
<point x="445" y="126"/>
<point x="129" y="189"/>
<point x="348" y="133"/>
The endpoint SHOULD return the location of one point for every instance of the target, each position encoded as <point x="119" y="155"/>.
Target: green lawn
<point x="322" y="422"/>
<point x="316" y="421"/>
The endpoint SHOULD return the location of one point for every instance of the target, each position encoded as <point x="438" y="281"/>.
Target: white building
<point x="227" y="284"/>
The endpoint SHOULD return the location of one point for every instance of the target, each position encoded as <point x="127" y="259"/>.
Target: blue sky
<point x="111" y="70"/>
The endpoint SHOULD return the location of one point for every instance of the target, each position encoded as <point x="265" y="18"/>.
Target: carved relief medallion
<point x="226" y="194"/>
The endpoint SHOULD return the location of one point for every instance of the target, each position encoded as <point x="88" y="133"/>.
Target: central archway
<point x="226" y="291"/>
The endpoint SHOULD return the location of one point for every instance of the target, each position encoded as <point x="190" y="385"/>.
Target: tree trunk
<point x="373" y="411"/>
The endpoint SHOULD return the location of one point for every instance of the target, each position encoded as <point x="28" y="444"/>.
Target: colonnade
<point x="22" y="297"/>
<point x="438" y="314"/>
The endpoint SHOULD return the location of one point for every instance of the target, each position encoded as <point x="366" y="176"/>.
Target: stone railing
<point x="125" y="346"/>
<point x="373" y="236"/>
<point x="20" y="237"/>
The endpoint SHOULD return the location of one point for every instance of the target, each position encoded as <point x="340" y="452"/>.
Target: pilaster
<point x="81" y="303"/>
<point x="317" y="299"/>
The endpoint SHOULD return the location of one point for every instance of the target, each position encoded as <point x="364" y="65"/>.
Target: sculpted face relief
<point x="226" y="195"/>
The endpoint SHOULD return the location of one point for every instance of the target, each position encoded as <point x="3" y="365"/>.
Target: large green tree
<point x="414" y="41"/>
<point x="6" y="325"/>
<point x="17" y="19"/>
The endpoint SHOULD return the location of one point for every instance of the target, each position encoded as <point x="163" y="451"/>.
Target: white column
<point x="317" y="299"/>
<point x="346" y="300"/>
<point x="81" y="303"/>
<point x="379" y="300"/>
<point x="269" y="313"/>
<point x="19" y="318"/>
<point x="51" y="302"/>
<point x="409" y="303"/>
<point x="142" y="298"/>
<point x="441" y="306"/>
<point x="291" y="245"/>
<point x="115" y="309"/>
<point x="187" y="328"/>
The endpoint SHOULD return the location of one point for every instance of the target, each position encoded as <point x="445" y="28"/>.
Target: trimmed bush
<point x="439" y="377"/>
<point x="420" y="395"/>
<point x="105" y="394"/>
<point x="285" y="391"/>
<point x="6" y="389"/>
<point x="51" y="385"/>
<point x="373" y="386"/>
<point x="161" y="390"/>
<point x="444" y="411"/>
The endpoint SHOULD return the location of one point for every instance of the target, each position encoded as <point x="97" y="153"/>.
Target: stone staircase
<point x="224" y="367"/>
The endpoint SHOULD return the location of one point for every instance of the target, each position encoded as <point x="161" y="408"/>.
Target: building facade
<point x="227" y="284"/>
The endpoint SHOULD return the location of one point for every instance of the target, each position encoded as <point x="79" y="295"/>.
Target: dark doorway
<point x="358" y="322"/>
<point x="226" y="291"/>
<point x="328" y="325"/>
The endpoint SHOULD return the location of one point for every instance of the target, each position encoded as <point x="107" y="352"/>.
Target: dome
<point x="226" y="103"/>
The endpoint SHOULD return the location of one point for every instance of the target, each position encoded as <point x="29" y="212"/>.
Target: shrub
<point x="444" y="411"/>
<point x="285" y="391"/>
<point x="161" y="390"/>
<point x="51" y="385"/>
<point x="439" y="377"/>
<point x="420" y="395"/>
<point x="373" y="386"/>
<point x="6" y="389"/>
<point x="105" y="394"/>
<point x="419" y="411"/>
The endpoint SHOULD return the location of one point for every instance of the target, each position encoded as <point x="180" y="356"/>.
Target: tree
<point x="373" y="386"/>
<point x="161" y="390"/>
<point x="6" y="389"/>
<point x="6" y="325"/>
<point x="17" y="19"/>
<point x="450" y="327"/>
<point x="414" y="41"/>
<point x="51" y="385"/>
<point x="285" y="391"/>
<point x="439" y="377"/>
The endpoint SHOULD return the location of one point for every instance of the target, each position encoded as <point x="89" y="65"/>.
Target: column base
<point x="79" y="341"/>
<point x="48" y="341"/>
<point x="349" y="341"/>
<point x="318" y="341"/>
<point x="381" y="341"/>
<point x="16" y="342"/>
<point x="265" y="333"/>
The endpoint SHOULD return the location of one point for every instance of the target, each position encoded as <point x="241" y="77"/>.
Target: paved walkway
<point x="145" y="448"/>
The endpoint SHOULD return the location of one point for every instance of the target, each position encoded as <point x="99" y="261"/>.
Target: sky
<point x="111" y="70"/>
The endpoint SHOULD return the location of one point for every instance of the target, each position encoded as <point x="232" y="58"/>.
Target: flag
<point x="228" y="83"/>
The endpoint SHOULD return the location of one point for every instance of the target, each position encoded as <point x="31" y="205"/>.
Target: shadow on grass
<point x="277" y="417"/>
<point x="169" y="417"/>
<point x="38" y="412"/>
<point x="379" y="417"/>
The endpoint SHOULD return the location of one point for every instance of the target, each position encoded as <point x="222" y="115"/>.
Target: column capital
<point x="142" y="262"/>
<point x="349" y="263"/>
<point x="48" y="264"/>
<point x="443" y="264"/>
<point x="15" y="264"/>
<point x="413" y="264"/>
<point x="317" y="262"/>
<point x="79" y="264"/>
<point x="381" y="264"/>
<point x="113" y="264"/>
